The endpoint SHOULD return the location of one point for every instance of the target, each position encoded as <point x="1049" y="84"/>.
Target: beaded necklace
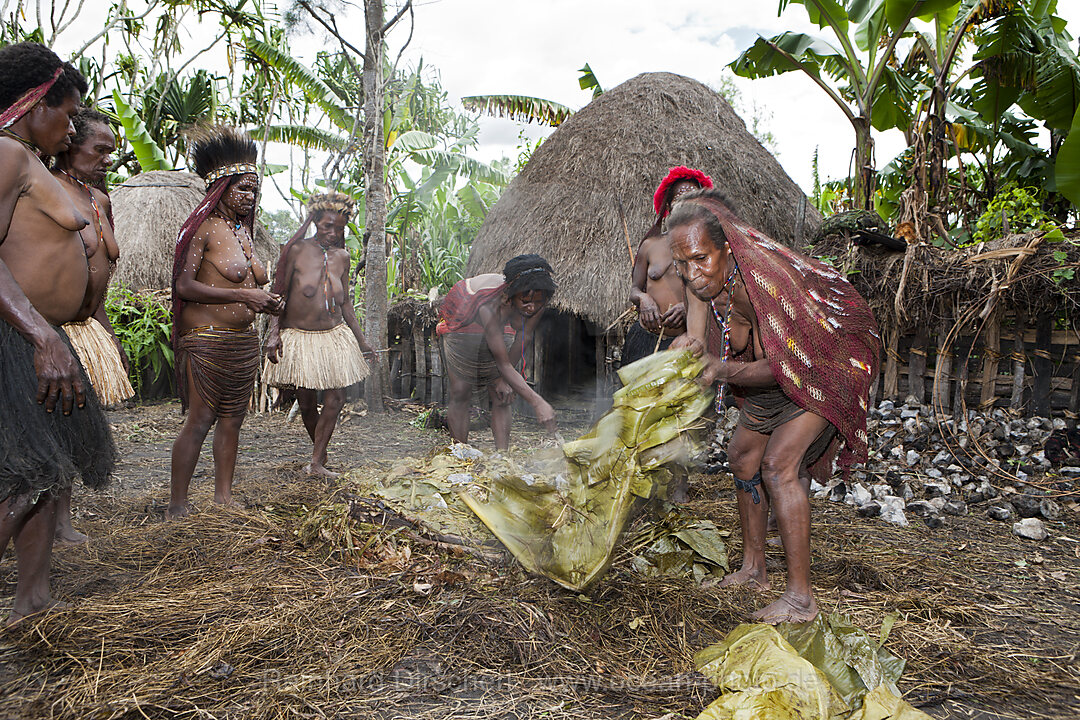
<point x="329" y="301"/>
<point x="236" y="226"/>
<point x="26" y="143"/>
<point x="93" y="204"/>
<point x="725" y="327"/>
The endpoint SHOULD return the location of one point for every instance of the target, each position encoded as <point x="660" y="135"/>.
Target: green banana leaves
<point x="566" y="529"/>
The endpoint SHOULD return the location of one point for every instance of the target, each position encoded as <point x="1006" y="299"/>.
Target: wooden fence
<point x="1030" y="368"/>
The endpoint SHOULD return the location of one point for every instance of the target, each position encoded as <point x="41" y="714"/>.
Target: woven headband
<point x="27" y="101"/>
<point x="234" y="169"/>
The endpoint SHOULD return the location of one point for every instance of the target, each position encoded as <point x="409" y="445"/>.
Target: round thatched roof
<point x="148" y="210"/>
<point x="564" y="205"/>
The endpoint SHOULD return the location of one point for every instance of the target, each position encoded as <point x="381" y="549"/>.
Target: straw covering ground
<point x="314" y="602"/>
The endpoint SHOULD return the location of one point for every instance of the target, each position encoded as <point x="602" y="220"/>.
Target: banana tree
<point x="856" y="69"/>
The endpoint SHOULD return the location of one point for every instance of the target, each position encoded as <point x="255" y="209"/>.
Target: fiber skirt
<point x="317" y="360"/>
<point x="468" y="356"/>
<point x="766" y="410"/>
<point x="223" y="363"/>
<point x="42" y="451"/>
<point x="101" y="360"/>
<point x="641" y="343"/>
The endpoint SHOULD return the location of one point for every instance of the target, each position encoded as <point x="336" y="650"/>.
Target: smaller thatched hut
<point x="148" y="210"/>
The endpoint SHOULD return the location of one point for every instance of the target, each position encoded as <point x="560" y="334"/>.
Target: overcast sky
<point x="536" y="48"/>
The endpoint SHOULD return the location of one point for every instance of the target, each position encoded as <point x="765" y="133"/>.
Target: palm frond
<point x="519" y="107"/>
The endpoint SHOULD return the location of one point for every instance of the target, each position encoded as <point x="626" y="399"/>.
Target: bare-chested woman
<point x="486" y="324"/>
<point x="81" y="170"/>
<point x="655" y="289"/>
<point x="316" y="344"/>
<point x="216" y="293"/>
<point x="43" y="278"/>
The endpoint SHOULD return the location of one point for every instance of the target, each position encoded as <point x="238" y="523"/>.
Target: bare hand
<point x="503" y="392"/>
<point x="649" y="314"/>
<point x="716" y="371"/>
<point x="58" y="375"/>
<point x="273" y="347"/>
<point x="123" y="357"/>
<point x="689" y="342"/>
<point x="545" y="415"/>
<point x="262" y="301"/>
<point x="675" y="316"/>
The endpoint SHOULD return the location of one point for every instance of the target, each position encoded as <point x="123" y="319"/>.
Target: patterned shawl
<point x="818" y="333"/>
<point x="459" y="307"/>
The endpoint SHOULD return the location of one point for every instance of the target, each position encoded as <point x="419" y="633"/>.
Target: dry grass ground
<point x="288" y="608"/>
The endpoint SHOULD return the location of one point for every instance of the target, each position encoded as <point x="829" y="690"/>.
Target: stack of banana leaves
<point x="826" y="669"/>
<point x="566" y="528"/>
<point x="561" y="513"/>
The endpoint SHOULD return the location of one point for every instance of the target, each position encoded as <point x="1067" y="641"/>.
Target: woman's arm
<point x="348" y="314"/>
<point x="648" y="311"/>
<point x="192" y="290"/>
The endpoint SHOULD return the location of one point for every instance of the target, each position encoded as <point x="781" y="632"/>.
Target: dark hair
<point x="86" y="118"/>
<point x="526" y="273"/>
<point x="25" y="65"/>
<point x="216" y="147"/>
<point x="686" y="212"/>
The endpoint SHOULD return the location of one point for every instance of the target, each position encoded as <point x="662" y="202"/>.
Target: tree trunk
<point x="864" y="164"/>
<point x="375" y="198"/>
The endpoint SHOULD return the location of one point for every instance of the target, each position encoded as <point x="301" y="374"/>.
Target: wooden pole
<point x="917" y="364"/>
<point x="942" y="368"/>
<point x="891" y="389"/>
<point x="963" y="355"/>
<point x="1042" y="365"/>
<point x="991" y="359"/>
<point x="1019" y="358"/>
<point x="420" y="371"/>
<point x="1073" y="413"/>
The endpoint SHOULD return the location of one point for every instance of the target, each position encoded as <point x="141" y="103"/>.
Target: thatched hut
<point x="586" y="195"/>
<point x="148" y="210"/>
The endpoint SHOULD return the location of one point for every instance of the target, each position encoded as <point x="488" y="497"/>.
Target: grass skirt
<point x="101" y="360"/>
<point x="317" y="360"/>
<point x="468" y="356"/>
<point x="641" y="343"/>
<point x="45" y="451"/>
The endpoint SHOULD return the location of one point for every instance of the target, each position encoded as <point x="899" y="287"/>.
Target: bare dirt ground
<point x="261" y="612"/>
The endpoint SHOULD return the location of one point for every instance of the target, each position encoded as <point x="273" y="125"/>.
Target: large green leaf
<point x="147" y="152"/>
<point x="868" y="32"/>
<point x="823" y="13"/>
<point x="588" y="81"/>
<point x="1067" y="167"/>
<point x="414" y="140"/>
<point x="786" y="52"/>
<point x="894" y="98"/>
<point x="304" y="78"/>
<point x="519" y="107"/>
<point x="301" y="136"/>
<point x="900" y="12"/>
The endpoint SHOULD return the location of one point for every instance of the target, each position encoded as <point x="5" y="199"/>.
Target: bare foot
<point x="788" y="608"/>
<point x="177" y="511"/>
<point x="774" y="541"/>
<point x="17" y="616"/>
<point x="755" y="579"/>
<point x="69" y="536"/>
<point x="319" y="470"/>
<point x="229" y="503"/>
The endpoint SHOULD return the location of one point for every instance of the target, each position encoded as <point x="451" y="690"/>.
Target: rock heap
<point x="918" y="467"/>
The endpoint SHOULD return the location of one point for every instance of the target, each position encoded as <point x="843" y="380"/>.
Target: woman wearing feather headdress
<point x="216" y="293"/>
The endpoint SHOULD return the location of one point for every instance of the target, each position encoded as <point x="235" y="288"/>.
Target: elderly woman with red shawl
<point x="800" y="346"/>
<point x="655" y="289"/>
<point x="216" y="293"/>
<point x="486" y="324"/>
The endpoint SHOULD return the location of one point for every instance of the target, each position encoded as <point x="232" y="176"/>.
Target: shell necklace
<point x="725" y="327"/>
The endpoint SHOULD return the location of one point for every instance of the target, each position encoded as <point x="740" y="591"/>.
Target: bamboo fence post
<point x="963" y="359"/>
<point x="1073" y="413"/>
<point x="1019" y="359"/>
<point x="942" y="368"/>
<point x="891" y="389"/>
<point x="408" y="362"/>
<point x="991" y="359"/>
<point x="420" y="368"/>
<point x="1042" y="366"/>
<point x="917" y="364"/>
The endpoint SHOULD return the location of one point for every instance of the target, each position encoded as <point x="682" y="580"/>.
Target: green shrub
<point x="144" y="325"/>
<point x="1020" y="207"/>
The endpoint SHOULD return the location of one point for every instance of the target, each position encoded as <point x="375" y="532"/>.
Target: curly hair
<point x="86" y="119"/>
<point x="526" y="273"/>
<point x="26" y="65"/>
